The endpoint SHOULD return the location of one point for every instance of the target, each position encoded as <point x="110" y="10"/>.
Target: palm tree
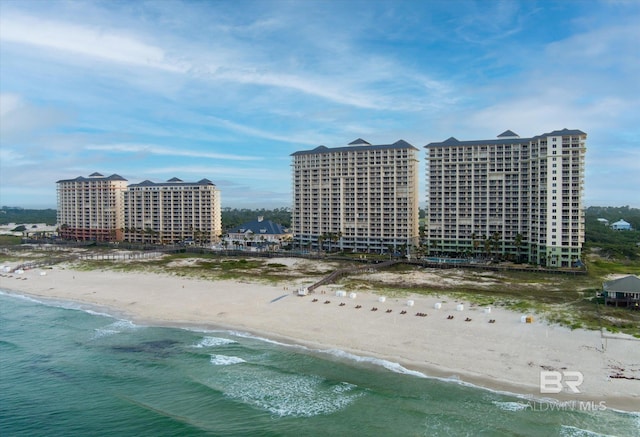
<point x="331" y="238"/>
<point x="403" y="248"/>
<point x="487" y="246"/>
<point x="425" y="247"/>
<point x="390" y="250"/>
<point x="149" y="233"/>
<point x="475" y="242"/>
<point x="335" y="237"/>
<point x="518" y="243"/>
<point x="495" y="243"/>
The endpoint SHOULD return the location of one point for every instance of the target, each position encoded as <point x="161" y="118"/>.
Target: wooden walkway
<point x="334" y="276"/>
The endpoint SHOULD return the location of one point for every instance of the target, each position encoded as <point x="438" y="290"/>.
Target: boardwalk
<point x="334" y="276"/>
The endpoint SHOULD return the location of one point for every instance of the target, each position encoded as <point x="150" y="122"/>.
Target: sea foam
<point x="214" y="341"/>
<point x="286" y="395"/>
<point x="511" y="406"/>
<point x="114" y="328"/>
<point x="389" y="365"/>
<point x="224" y="360"/>
<point x="572" y="431"/>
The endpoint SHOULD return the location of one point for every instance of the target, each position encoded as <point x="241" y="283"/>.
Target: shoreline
<point x="506" y="356"/>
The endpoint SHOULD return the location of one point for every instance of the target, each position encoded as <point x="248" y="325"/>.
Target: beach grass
<point x="601" y="267"/>
<point x="210" y="267"/>
<point x="10" y="240"/>
<point x="568" y="300"/>
<point x="559" y="299"/>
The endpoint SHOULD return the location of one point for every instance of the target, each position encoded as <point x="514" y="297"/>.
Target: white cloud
<point x="549" y="110"/>
<point x="320" y="88"/>
<point x="9" y="103"/>
<point x="262" y="174"/>
<point x="166" y="151"/>
<point x="586" y="81"/>
<point x="157" y="86"/>
<point x="12" y="158"/>
<point x="362" y="85"/>
<point x="494" y="21"/>
<point x="19" y="117"/>
<point x="259" y="133"/>
<point x="100" y="43"/>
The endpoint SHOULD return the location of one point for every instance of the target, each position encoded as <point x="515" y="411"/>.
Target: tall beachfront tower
<point x="91" y="208"/>
<point x="361" y="197"/>
<point x="521" y="197"/>
<point x="172" y="212"/>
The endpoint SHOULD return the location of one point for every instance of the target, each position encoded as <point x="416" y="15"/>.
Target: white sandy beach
<point x="505" y="355"/>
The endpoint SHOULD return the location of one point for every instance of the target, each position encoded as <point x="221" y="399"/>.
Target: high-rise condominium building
<point x="516" y="196"/>
<point x="360" y="197"/>
<point x="172" y="212"/>
<point x="91" y="208"/>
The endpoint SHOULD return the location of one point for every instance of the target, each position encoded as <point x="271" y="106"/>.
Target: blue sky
<point x="227" y="90"/>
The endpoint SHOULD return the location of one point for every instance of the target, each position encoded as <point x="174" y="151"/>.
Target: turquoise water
<point x="65" y="371"/>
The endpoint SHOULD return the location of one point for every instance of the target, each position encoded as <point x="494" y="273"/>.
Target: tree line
<point x="17" y="215"/>
<point x="613" y="243"/>
<point x="616" y="244"/>
<point x="231" y="217"/>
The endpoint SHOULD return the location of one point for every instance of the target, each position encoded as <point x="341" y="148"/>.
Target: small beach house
<point x="624" y="292"/>
<point x="621" y="225"/>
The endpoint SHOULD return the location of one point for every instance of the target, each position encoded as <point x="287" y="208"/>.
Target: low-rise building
<point x="624" y="292"/>
<point x="259" y="234"/>
<point x="621" y="225"/>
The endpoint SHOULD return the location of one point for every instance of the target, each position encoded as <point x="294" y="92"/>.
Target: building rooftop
<point x="93" y="177"/>
<point x="259" y="226"/>
<point x="358" y="144"/>
<point x="508" y="133"/>
<point x="507" y="137"/>
<point x="171" y="183"/>
<point x="630" y="284"/>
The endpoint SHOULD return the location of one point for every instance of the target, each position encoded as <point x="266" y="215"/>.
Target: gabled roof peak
<point x="94" y="177"/>
<point x="402" y="143"/>
<point x="565" y="132"/>
<point x="629" y="283"/>
<point x="359" y="141"/>
<point x="508" y="134"/>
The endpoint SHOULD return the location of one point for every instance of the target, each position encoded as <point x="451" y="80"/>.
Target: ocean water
<point x="68" y="371"/>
